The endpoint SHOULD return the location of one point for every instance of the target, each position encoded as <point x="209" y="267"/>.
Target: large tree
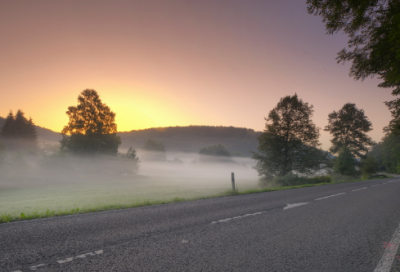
<point x="91" y="127"/>
<point x="348" y="127"/>
<point x="290" y="140"/>
<point x="373" y="27"/>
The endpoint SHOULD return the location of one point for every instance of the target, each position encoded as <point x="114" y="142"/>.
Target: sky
<point x="160" y="63"/>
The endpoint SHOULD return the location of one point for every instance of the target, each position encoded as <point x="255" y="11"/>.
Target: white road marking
<point x="289" y="206"/>
<point x="36" y="266"/>
<point x="359" y="189"/>
<point x="80" y="256"/>
<point x="66" y="260"/>
<point x="236" y="217"/>
<point x="375" y="185"/>
<point x="329" y="196"/>
<point x="385" y="264"/>
<point x="84" y="255"/>
<point x="185" y="241"/>
<point x="70" y="259"/>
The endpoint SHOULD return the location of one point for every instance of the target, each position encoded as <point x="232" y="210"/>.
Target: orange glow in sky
<point x="176" y="63"/>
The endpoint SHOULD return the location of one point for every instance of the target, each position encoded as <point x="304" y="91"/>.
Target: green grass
<point x="33" y="202"/>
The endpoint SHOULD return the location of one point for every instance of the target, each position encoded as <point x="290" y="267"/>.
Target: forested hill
<point x="193" y="138"/>
<point x="44" y="134"/>
<point x="185" y="139"/>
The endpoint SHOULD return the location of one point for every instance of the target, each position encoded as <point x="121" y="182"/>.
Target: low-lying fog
<point x="193" y="167"/>
<point x="38" y="182"/>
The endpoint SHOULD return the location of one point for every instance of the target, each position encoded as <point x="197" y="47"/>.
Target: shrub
<point x="294" y="180"/>
<point x="337" y="177"/>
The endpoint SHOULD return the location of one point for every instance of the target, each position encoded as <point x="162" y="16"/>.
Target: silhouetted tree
<point x="131" y="165"/>
<point x="19" y="132"/>
<point x="289" y="141"/>
<point x="394" y="124"/>
<point x="348" y="127"/>
<point x="131" y="154"/>
<point x="215" y="150"/>
<point x="374" y="30"/>
<point x="91" y="127"/>
<point x="8" y="130"/>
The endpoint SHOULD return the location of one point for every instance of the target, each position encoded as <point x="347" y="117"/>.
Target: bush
<point x="369" y="166"/>
<point x="346" y="163"/>
<point x="294" y="180"/>
<point x="337" y="177"/>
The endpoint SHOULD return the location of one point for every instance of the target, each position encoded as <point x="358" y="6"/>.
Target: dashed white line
<point x="236" y="217"/>
<point x="66" y="260"/>
<point x="289" y="206"/>
<point x="359" y="189"/>
<point x="329" y="196"/>
<point x="80" y="256"/>
<point x="84" y="255"/>
<point x="36" y="266"/>
<point x="97" y="252"/>
<point x="385" y="264"/>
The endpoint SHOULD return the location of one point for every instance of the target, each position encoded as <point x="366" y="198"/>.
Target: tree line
<point x="289" y="143"/>
<point x="373" y="28"/>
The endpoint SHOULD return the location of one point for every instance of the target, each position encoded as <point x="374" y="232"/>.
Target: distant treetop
<point x="152" y="145"/>
<point x="215" y="150"/>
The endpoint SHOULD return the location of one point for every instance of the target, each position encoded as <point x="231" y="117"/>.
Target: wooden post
<point x="233" y="181"/>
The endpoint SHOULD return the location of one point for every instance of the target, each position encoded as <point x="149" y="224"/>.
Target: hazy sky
<point x="175" y="63"/>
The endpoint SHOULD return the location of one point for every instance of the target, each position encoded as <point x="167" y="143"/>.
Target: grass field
<point x="55" y="192"/>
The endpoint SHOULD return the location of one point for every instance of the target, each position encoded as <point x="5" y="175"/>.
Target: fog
<point x="194" y="167"/>
<point x="47" y="180"/>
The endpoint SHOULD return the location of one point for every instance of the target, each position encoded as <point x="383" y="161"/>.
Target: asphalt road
<point x="341" y="227"/>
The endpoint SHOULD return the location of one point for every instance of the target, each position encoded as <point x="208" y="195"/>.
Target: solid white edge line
<point x="385" y="264"/>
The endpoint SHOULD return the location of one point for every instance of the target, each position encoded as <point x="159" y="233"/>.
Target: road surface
<point x="339" y="227"/>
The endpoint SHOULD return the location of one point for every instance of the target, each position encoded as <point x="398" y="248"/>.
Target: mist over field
<point x="37" y="183"/>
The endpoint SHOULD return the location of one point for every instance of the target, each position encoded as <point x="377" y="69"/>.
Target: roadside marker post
<point x="233" y="181"/>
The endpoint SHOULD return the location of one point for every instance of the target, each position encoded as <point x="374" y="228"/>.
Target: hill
<point x="239" y="141"/>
